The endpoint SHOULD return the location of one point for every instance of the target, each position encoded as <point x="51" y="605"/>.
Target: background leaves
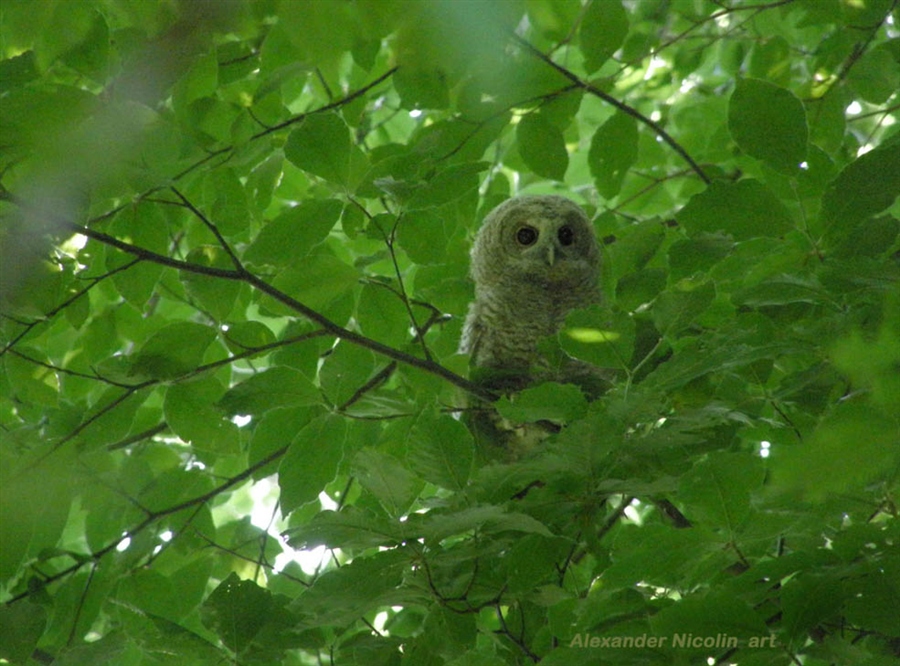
<point x="233" y="269"/>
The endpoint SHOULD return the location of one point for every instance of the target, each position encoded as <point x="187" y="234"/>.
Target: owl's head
<point x="545" y="241"/>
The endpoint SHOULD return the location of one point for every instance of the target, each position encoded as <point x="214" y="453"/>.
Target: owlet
<point x="534" y="259"/>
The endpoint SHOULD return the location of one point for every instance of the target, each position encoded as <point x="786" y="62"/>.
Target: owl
<point x="534" y="259"/>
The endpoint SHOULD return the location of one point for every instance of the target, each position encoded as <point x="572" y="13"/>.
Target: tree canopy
<point x="233" y="268"/>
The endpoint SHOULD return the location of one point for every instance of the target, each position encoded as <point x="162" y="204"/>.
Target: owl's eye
<point x="566" y="235"/>
<point x="526" y="236"/>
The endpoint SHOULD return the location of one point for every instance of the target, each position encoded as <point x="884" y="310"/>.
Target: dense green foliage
<point x="233" y="257"/>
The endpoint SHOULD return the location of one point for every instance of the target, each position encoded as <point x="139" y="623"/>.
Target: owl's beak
<point x="551" y="254"/>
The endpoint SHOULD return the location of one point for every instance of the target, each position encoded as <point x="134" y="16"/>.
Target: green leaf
<point x="864" y="188"/>
<point x="542" y="147"/>
<point x="111" y="417"/>
<point x="245" y="335"/>
<point x="388" y="480"/>
<point x="144" y="226"/>
<point x="435" y="527"/>
<point x="807" y="600"/>
<point x="614" y="150"/>
<point x="640" y="288"/>
<point x="312" y="461"/>
<point x="271" y="389"/>
<point x="448" y="185"/>
<point x="291" y="235"/>
<point x="343" y="594"/>
<point x="236" y="611"/>
<point x="215" y="295"/>
<point x="226" y="201"/>
<point x="21" y="626"/>
<point x="550" y="401"/>
<point x="348" y="528"/>
<point x="679" y="307"/>
<point x="718" y="616"/>
<point x="716" y="492"/>
<point x="315" y="282"/>
<point x="382" y="315"/>
<point x="191" y="411"/>
<point x="17" y="71"/>
<point x="660" y="555"/>
<point x="876" y="75"/>
<point x="441" y="450"/>
<point x="275" y="431"/>
<point x="423" y="235"/>
<point x="603" y="30"/>
<point x="603" y="338"/>
<point x="173" y="350"/>
<point x="746" y="209"/>
<point x="33" y="512"/>
<point x="30" y="378"/>
<point x="690" y="257"/>
<point x="344" y="371"/>
<point x="769" y="123"/>
<point x="422" y="88"/>
<point x="321" y="145"/>
<point x="851" y="447"/>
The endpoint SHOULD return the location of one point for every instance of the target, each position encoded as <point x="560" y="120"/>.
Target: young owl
<point x="534" y="259"/>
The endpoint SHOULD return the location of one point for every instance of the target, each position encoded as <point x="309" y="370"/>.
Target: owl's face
<point x="544" y="241"/>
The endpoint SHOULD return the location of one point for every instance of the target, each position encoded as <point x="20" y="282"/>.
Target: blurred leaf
<point x="851" y="447"/>
<point x="173" y="350"/>
<point x="21" y="627"/>
<point x="422" y="88"/>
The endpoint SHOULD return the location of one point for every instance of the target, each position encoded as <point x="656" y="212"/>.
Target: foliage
<point x="234" y="253"/>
